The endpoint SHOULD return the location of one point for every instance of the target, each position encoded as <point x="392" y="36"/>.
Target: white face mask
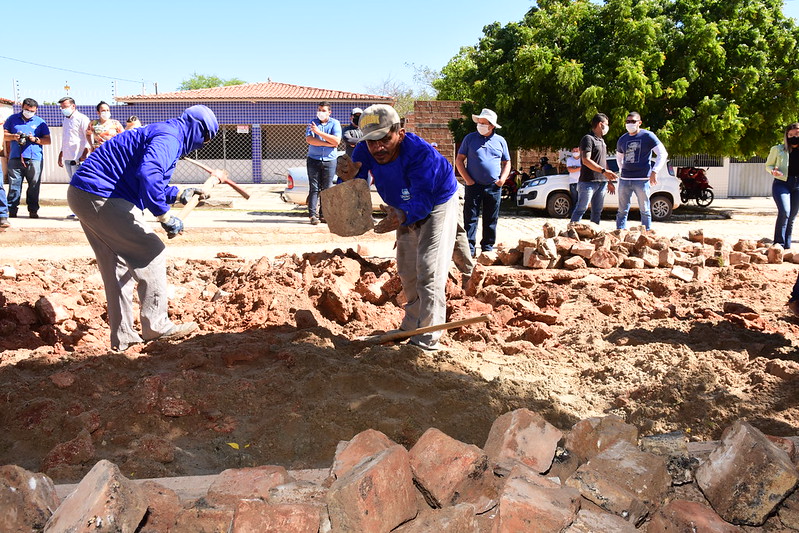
<point x="483" y="129"/>
<point x="28" y="114"/>
<point x="605" y="129"/>
<point x="322" y="115"/>
<point x="67" y="112"/>
<point x="631" y="128"/>
<point x="576" y="155"/>
<point x="105" y="115"/>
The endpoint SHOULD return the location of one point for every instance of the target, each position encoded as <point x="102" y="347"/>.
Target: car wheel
<point x="705" y="198"/>
<point x="660" y="206"/>
<point x="559" y="205"/>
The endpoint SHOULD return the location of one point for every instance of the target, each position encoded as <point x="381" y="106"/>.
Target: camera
<point x="25" y="138"/>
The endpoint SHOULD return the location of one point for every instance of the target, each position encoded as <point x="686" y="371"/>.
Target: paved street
<point x="266" y="226"/>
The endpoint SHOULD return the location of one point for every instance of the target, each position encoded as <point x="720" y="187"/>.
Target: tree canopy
<point x="201" y="81"/>
<point x="707" y="76"/>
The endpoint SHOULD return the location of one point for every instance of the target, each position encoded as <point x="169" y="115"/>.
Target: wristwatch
<point x="603" y="170"/>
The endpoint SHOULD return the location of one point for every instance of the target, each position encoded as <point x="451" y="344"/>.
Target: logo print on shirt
<point x="631" y="153"/>
<point x="405" y="195"/>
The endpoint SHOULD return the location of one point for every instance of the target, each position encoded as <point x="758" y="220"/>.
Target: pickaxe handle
<point x="195" y="199"/>
<point x="223" y="179"/>
<point x="399" y="335"/>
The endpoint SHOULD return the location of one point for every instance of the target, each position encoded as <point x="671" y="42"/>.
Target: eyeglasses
<point x="632" y="120"/>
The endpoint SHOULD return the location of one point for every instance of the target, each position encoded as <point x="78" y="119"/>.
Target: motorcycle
<point x="694" y="186"/>
<point x="511" y="185"/>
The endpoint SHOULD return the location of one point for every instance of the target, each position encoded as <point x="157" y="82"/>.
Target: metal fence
<point x="237" y="149"/>
<point x="698" y="160"/>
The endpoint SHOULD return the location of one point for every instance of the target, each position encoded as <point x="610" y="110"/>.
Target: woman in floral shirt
<point x="104" y="128"/>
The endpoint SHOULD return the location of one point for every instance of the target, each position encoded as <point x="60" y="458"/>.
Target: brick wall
<point x="429" y="120"/>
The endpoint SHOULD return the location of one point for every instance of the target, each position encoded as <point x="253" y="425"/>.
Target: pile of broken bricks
<point x="585" y="244"/>
<point x="529" y="476"/>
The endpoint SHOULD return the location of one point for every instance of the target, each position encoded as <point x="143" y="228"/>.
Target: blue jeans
<point x="320" y="177"/>
<point x="786" y="196"/>
<point x="592" y="192"/>
<point x="625" y="191"/>
<point x="487" y="197"/>
<point x="573" y="194"/>
<point x="32" y="172"/>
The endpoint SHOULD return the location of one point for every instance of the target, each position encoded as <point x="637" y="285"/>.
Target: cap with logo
<point x="357" y="111"/>
<point x="376" y="121"/>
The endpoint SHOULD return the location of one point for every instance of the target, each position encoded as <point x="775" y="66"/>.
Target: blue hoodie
<point x="136" y="165"/>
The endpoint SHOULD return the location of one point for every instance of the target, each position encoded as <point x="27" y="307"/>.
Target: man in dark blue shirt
<point x="27" y="133"/>
<point x="487" y="165"/>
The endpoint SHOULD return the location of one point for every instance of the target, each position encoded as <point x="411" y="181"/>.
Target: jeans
<point x="625" y="191"/>
<point x="32" y="172"/>
<point x="320" y="177"/>
<point x="487" y="198"/>
<point x="786" y="196"/>
<point x="592" y="192"/>
<point x="573" y="194"/>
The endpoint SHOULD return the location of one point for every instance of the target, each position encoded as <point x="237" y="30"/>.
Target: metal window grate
<point x="698" y="160"/>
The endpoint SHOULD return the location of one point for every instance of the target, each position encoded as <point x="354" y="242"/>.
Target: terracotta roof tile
<point x="6" y="101"/>
<point x="269" y="90"/>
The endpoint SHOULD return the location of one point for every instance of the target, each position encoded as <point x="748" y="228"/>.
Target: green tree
<point x="201" y="81"/>
<point x="403" y="94"/>
<point x="708" y="76"/>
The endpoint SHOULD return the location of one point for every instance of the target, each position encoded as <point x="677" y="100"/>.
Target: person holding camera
<point x="109" y="193"/>
<point x="27" y="134"/>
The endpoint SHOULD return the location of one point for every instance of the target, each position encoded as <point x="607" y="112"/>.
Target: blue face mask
<point x="67" y="112"/>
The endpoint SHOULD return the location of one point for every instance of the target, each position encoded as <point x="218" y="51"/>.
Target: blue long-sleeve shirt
<point x="136" y="165"/>
<point x="416" y="181"/>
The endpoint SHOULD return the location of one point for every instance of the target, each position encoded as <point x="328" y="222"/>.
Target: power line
<point x="74" y="71"/>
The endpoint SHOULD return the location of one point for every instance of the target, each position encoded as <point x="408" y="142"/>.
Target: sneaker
<point x="424" y="346"/>
<point x="793" y="307"/>
<point x="179" y="331"/>
<point x="314" y="221"/>
<point x="34" y="214"/>
<point x="4" y="222"/>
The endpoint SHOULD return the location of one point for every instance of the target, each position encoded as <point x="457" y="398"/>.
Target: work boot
<point x="33" y="214"/>
<point x="4" y="222"/>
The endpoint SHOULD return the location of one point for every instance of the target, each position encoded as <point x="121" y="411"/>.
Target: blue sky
<point x="348" y="46"/>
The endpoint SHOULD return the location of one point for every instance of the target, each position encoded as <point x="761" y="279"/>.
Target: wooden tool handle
<point x="399" y="335"/>
<point x="195" y="198"/>
<point x="238" y="189"/>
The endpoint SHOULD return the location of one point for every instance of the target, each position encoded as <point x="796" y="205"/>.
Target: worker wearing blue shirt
<point x="123" y="176"/>
<point x="419" y="186"/>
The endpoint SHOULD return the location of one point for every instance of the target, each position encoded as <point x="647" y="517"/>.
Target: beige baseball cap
<point x="376" y="120"/>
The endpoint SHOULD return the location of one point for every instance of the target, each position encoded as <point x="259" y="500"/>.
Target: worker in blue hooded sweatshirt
<point x="109" y="193"/>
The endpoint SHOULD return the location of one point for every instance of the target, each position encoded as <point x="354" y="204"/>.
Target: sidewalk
<point x="264" y="225"/>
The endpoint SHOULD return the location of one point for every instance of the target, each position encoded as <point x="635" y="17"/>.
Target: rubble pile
<point x="598" y="477"/>
<point x="277" y="374"/>
<point x="585" y="244"/>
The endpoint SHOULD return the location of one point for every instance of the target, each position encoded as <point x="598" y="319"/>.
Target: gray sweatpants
<point x="462" y="255"/>
<point x="128" y="253"/>
<point x="424" y="253"/>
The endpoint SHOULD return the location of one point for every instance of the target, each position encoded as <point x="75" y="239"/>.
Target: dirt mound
<point x="277" y="375"/>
